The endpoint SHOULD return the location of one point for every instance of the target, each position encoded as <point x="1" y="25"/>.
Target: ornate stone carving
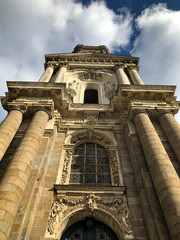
<point x="90" y="75"/>
<point x="114" y="167"/>
<point x="72" y="87"/>
<point x="67" y="205"/>
<point x="90" y="135"/>
<point x="109" y="88"/>
<point x="90" y="119"/>
<point x="66" y="165"/>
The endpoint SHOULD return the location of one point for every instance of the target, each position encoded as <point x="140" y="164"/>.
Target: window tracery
<point x="90" y="165"/>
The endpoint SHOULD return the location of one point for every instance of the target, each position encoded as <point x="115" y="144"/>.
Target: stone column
<point x="172" y="130"/>
<point x="122" y="77"/>
<point x="16" y="177"/>
<point x="47" y="74"/>
<point x="61" y="74"/>
<point x="164" y="176"/>
<point x="8" y="129"/>
<point x="135" y="76"/>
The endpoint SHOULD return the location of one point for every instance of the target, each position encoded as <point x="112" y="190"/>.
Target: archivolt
<point x="91" y="135"/>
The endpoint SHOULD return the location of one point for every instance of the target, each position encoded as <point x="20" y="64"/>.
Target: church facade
<point x="89" y="152"/>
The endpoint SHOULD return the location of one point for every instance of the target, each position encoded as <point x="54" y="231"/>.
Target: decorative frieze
<point x="90" y="75"/>
<point x="68" y="203"/>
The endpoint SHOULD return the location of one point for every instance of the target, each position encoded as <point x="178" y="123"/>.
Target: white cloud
<point x="158" y="46"/>
<point x="31" y="29"/>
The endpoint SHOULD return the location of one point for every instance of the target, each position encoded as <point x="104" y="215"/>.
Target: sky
<point x="146" y="29"/>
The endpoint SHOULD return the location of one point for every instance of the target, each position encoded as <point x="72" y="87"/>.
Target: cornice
<point x="89" y="59"/>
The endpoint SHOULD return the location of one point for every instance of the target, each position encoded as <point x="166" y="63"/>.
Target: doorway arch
<point x="89" y="229"/>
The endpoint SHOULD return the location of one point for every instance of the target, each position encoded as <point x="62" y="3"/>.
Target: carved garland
<point x="117" y="208"/>
<point x="66" y="165"/>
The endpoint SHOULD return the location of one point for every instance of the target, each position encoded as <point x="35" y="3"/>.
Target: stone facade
<point x="131" y="122"/>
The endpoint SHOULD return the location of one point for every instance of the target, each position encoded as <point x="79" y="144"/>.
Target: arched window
<point x="90" y="165"/>
<point x="89" y="229"/>
<point x="91" y="96"/>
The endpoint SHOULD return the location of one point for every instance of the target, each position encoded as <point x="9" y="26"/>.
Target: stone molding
<point x="70" y="202"/>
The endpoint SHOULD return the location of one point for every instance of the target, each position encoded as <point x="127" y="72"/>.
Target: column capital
<point x="47" y="109"/>
<point x="135" y="111"/>
<point x="63" y="64"/>
<point x="52" y="65"/>
<point x="132" y="67"/>
<point x="119" y="65"/>
<point x="15" y="106"/>
<point x="161" y="112"/>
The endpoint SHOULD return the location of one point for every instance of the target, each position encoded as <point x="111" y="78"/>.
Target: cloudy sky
<point x="142" y="28"/>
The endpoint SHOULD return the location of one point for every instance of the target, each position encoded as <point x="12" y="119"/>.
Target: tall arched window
<point x="90" y="165"/>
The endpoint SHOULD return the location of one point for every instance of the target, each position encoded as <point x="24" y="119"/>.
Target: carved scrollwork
<point x="67" y="205"/>
<point x="66" y="165"/>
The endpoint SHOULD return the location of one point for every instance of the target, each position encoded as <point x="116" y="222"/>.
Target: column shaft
<point x="135" y="77"/>
<point x="172" y="130"/>
<point x="123" y="79"/>
<point x="60" y="75"/>
<point x="164" y="176"/>
<point x="15" y="179"/>
<point x="46" y="75"/>
<point x="8" y="129"/>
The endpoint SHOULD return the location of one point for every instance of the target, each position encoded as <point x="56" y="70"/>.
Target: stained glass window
<point x="90" y="165"/>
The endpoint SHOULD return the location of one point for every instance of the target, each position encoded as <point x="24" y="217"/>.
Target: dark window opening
<point x="91" y="96"/>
